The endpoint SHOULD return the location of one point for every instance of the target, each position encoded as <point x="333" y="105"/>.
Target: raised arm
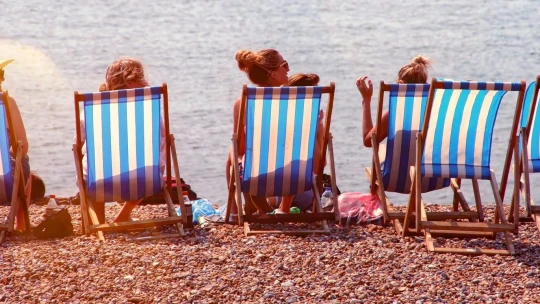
<point x="366" y="90"/>
<point x="18" y="125"/>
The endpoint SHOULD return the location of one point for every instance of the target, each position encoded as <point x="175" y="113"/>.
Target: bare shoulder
<point x="237" y="102"/>
<point x="13" y="104"/>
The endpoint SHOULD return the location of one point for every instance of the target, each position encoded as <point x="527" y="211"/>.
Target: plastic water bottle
<point x="186" y="196"/>
<point x="52" y="206"/>
<point x="327" y="198"/>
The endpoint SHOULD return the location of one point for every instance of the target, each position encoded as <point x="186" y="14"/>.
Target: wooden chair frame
<point x="21" y="188"/>
<point x="389" y="214"/>
<point x="90" y="222"/>
<point x="429" y="227"/>
<point x="317" y="215"/>
<point x="521" y="170"/>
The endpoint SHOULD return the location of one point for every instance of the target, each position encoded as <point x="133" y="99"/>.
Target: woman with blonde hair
<point x="20" y="134"/>
<point x="264" y="68"/>
<point x="123" y="73"/>
<point x="415" y="71"/>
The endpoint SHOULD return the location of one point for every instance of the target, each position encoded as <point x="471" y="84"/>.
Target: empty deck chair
<point x="391" y="162"/>
<point x="281" y="126"/>
<point x="12" y="183"/>
<point x="455" y="142"/>
<point x="529" y="154"/>
<point x="121" y="139"/>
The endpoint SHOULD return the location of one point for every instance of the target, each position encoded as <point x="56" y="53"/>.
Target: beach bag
<point x="56" y="225"/>
<point x="359" y="209"/>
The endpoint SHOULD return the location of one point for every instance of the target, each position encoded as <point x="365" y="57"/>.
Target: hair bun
<point x="421" y="60"/>
<point x="245" y="59"/>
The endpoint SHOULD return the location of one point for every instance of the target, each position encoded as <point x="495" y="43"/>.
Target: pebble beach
<point x="216" y="263"/>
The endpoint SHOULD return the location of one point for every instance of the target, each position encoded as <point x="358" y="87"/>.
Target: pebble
<point x="368" y="264"/>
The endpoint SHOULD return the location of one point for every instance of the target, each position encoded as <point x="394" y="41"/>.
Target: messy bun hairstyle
<point x="124" y="73"/>
<point x="301" y="80"/>
<point x="258" y="65"/>
<point x="416" y="71"/>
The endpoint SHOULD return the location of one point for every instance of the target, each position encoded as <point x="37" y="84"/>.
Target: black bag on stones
<point x="56" y="225"/>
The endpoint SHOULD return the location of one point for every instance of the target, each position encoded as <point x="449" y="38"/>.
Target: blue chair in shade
<point x="392" y="161"/>
<point x="455" y="142"/>
<point x="121" y="137"/>
<point x="280" y="136"/>
<point x="527" y="146"/>
<point x="12" y="183"/>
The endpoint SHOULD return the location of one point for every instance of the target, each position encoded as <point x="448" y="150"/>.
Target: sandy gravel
<point x="217" y="264"/>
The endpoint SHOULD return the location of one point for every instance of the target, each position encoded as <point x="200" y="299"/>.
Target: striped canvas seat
<point x="458" y="144"/>
<point x="122" y="130"/>
<point x="455" y="143"/>
<point x="281" y="127"/>
<point x="407" y="104"/>
<point x="533" y="144"/>
<point x="6" y="173"/>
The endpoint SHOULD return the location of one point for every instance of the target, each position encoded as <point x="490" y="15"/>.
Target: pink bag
<point x="359" y="208"/>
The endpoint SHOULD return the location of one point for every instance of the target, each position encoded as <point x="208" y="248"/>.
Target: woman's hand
<point x="365" y="89"/>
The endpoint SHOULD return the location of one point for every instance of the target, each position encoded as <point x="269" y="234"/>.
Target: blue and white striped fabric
<point x="533" y="147"/>
<point x="458" y="140"/>
<point x="281" y="128"/>
<point x="6" y="174"/>
<point x="122" y="144"/>
<point x="406" y="109"/>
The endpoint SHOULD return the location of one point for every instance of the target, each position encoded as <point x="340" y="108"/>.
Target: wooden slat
<point x="291" y="218"/>
<point x="287" y="232"/>
<point x="158" y="237"/>
<point x="4" y="226"/>
<point x="437" y="216"/>
<point x="461" y="234"/>
<point x="136" y="224"/>
<point x="467" y="226"/>
<point x="472" y="251"/>
<point x="535" y="209"/>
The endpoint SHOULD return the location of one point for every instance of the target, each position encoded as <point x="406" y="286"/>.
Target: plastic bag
<point x="201" y="207"/>
<point x="359" y="208"/>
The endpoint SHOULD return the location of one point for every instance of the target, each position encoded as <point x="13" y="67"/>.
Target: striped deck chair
<point x="121" y="139"/>
<point x="528" y="149"/>
<point x="12" y="183"/>
<point x="281" y="126"/>
<point x="406" y="107"/>
<point x="455" y="142"/>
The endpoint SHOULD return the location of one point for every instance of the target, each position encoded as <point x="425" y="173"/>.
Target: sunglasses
<point x="285" y="64"/>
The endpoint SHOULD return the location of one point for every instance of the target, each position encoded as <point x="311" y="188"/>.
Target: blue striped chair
<point x="455" y="142"/>
<point x="529" y="153"/>
<point x="121" y="137"/>
<point x="391" y="163"/>
<point x="12" y="183"/>
<point x="281" y="126"/>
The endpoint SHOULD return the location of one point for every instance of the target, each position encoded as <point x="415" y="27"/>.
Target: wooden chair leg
<point x="333" y="176"/>
<point x="179" y="192"/>
<point x="236" y="172"/>
<point x="478" y="200"/>
<point x="455" y="201"/>
<point x="500" y="211"/>
<point x="411" y="204"/>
